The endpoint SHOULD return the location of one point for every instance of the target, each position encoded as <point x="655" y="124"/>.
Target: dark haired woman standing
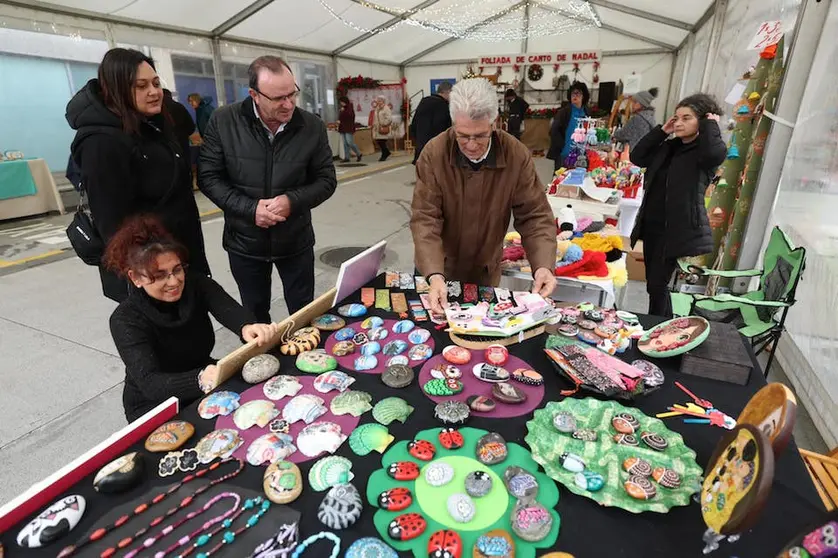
<point x="130" y="158"/>
<point x="672" y="222"/>
<point x="566" y="121"/>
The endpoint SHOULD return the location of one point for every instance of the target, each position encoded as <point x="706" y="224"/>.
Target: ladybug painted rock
<point x="395" y="499"/>
<point x="407" y="526"/>
<point x="403" y="470"/>
<point x="445" y="544"/>
<point x="451" y="439"/>
<point x="421" y="449"/>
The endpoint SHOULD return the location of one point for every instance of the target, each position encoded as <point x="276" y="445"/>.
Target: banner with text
<point x="562" y="57"/>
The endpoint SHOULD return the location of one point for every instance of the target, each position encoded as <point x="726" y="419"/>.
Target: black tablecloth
<point x="587" y="530"/>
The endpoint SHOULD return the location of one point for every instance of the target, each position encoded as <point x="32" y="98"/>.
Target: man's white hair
<point x="475" y="99"/>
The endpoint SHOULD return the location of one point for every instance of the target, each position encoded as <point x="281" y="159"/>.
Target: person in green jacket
<point x="203" y="110"/>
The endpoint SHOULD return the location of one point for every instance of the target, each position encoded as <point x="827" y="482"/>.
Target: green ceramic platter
<point x="695" y="332"/>
<point x="606" y="457"/>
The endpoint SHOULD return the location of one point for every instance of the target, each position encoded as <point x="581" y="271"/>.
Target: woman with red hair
<point x="162" y="330"/>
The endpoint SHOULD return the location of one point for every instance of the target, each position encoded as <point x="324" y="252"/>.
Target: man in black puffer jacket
<point x="267" y="164"/>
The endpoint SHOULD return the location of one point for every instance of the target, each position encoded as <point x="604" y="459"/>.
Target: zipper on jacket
<point x="269" y="171"/>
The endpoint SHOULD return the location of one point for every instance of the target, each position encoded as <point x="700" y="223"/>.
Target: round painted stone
<point x="478" y="484"/>
<point x="445" y="544"/>
<point x="360" y="339"/>
<point x="419" y="336"/>
<point x="281" y="386"/>
<point x="569" y="330"/>
<point x="370" y="547"/>
<point x="454" y="413"/>
<point x="304" y="339"/>
<point x="606" y="332"/>
<point x="667" y="478"/>
<point x="640" y="488"/>
<point x="403" y="326"/>
<point x="352" y="310"/>
<point x="497" y="543"/>
<point x="637" y="466"/>
<point x="571" y="462"/>
<point x="625" y="423"/>
<point x="588" y="337"/>
<point x="422" y="450"/>
<point x="341" y="507"/>
<point x="343" y="348"/>
<point x="496" y="354"/>
<point x="654" y="441"/>
<point x="442" y="388"/>
<point x="589" y="480"/>
<point x="403" y="470"/>
<point x="520" y="483"/>
<point x="372" y="322"/>
<point x="377" y="334"/>
<point x="490" y="373"/>
<point x="169" y="436"/>
<point x="439" y="474"/>
<point x="371" y="348"/>
<point x="395" y="347"/>
<point x="260" y="368"/>
<point x="594" y="315"/>
<point x="398" y="360"/>
<point x="443" y="370"/>
<point x="420" y="352"/>
<point x="507" y="393"/>
<point x="491" y="449"/>
<point x="587" y="325"/>
<point x="282" y="482"/>
<point x="585" y="435"/>
<point x="527" y="377"/>
<point x="461" y="507"/>
<point x="629" y="440"/>
<point x="481" y="403"/>
<point x="120" y="474"/>
<point x="53" y="523"/>
<point x="456" y="355"/>
<point x="366" y="362"/>
<point x="395" y="499"/>
<point x="345" y="334"/>
<point x="407" y="527"/>
<point x="451" y="439"/>
<point x="652" y="374"/>
<point x="531" y="521"/>
<point x="328" y="322"/>
<point x="570" y="319"/>
<point x="564" y="422"/>
<point x="316" y="361"/>
<point x="397" y="376"/>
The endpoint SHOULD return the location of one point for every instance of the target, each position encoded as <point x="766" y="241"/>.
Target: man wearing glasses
<point x="267" y="163"/>
<point x="469" y="181"/>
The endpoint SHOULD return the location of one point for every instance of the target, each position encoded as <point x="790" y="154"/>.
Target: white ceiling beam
<point x="238" y="18"/>
<point x="387" y="24"/>
<point x="605" y="53"/>
<point x="642" y="14"/>
<point x="711" y="10"/>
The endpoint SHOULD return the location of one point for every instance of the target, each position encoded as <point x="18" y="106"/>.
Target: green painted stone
<point x="443" y="387"/>
<point x="316" y="361"/>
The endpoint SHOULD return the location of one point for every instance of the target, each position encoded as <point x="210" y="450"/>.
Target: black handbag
<point x="83" y="236"/>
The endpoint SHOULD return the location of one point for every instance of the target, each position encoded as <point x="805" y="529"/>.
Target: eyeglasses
<point x="481" y="138"/>
<point x="178" y="272"/>
<point x="282" y="98"/>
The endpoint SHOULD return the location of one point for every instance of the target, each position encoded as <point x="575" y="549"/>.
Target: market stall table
<point x="586" y="528"/>
<point x="27" y="188"/>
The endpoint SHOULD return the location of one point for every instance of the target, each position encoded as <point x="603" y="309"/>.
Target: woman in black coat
<point x="131" y="158"/>
<point x="564" y="123"/>
<point x="672" y="222"/>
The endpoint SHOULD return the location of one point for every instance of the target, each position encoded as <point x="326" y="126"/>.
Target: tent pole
<point x="719" y="15"/>
<point x="218" y="74"/>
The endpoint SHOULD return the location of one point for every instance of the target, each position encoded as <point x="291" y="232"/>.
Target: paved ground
<point x="61" y="376"/>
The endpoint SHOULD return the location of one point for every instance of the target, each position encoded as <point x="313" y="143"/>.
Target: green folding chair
<point x="758" y="315"/>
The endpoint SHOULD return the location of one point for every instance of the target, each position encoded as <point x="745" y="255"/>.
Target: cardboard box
<point x="569" y="191"/>
<point x="635" y="266"/>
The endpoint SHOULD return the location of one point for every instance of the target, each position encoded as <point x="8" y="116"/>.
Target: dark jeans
<point x="659" y="269"/>
<point x="254" y="280"/>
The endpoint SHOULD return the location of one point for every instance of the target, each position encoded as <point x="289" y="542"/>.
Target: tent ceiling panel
<point x="397" y="45"/>
<point x="643" y="27"/>
<point x="682" y="10"/>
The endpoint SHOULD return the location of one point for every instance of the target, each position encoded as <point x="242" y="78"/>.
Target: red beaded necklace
<point x="98" y="534"/>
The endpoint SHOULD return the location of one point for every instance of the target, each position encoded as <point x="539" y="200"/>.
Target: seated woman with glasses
<point x="162" y="330"/>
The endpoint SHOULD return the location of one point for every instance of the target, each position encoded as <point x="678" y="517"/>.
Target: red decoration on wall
<point x="596" y="78"/>
<point x="576" y="67"/>
<point x="357" y="82"/>
<point x="480" y="68"/>
<point x="555" y="68"/>
<point x="516" y="67"/>
<point x="596" y="66"/>
<point x="500" y="69"/>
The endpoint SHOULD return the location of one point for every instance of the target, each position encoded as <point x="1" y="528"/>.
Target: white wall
<point x="383" y="72"/>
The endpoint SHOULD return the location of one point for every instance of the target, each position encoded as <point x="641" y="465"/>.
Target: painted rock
<point x="451" y="439"/>
<point x="589" y="480"/>
<point x="585" y="435"/>
<point x="497" y="543"/>
<point x="260" y="368"/>
<point x="456" y="355"/>
<point x="439" y="473"/>
<point x="53" y="523"/>
<point x="169" y="436"/>
<point x="419" y="336"/>
<point x="269" y="448"/>
<point x="445" y="544"/>
<point x="667" y="478"/>
<point x="218" y="444"/>
<point x="371" y="348"/>
<point x="422" y="450"/>
<point x="443" y="371"/>
<point x="507" y="393"/>
<point x="637" y="466"/>
<point x="407" y="527"/>
<point x="570" y="319"/>
<point x="365" y="363"/>
<point x="461" y="507"/>
<point x="588" y="337"/>
<point x="351" y="402"/>
<point x="531" y="521"/>
<point x="330" y="471"/>
<point x="305" y="407"/>
<point x="328" y="322"/>
<point x="279" y="426"/>
<point x="571" y="462"/>
<point x="395" y="347"/>
<point x="627" y="317"/>
<point x="282" y="482"/>
<point x="120" y="474"/>
<point x="372" y="322"/>
<point x="281" y="386"/>
<point x="625" y="423"/>
<point x="480" y="403"/>
<point x="316" y="361"/>
<point x="478" y="484"/>
<point x="218" y="403"/>
<point x="606" y="332"/>
<point x="588" y="325"/>
<point x="640" y="488"/>
<point x="370" y="547"/>
<point x="446" y="387"/>
<point x="397" y="375"/>
<point x="395" y="499"/>
<point x="341" y="507"/>
<point x="454" y="413"/>
<point x="564" y="422"/>
<point x="343" y="348"/>
<point x="490" y="373"/>
<point x="527" y="377"/>
<point x="305" y="339"/>
<point x="320" y="437"/>
<point x="496" y="354"/>
<point x="333" y="380"/>
<point x="391" y="408"/>
<point x="420" y="352"/>
<point x="626" y="440"/>
<point x="491" y="449"/>
<point x="569" y="330"/>
<point x="654" y="441"/>
<point x="520" y="483"/>
<point x="652" y="375"/>
<point x="370" y="437"/>
<point x="594" y="315"/>
<point x="398" y="360"/>
<point x="360" y="339"/>
<point x="345" y="334"/>
<point x="377" y="334"/>
<point x="403" y="470"/>
<point x="403" y="326"/>
<point x="352" y="310"/>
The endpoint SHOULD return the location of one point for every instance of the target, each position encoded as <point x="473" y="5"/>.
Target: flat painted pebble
<point x="508" y="393"/>
<point x="451" y="438"/>
<point x="407" y="527"/>
<point x="625" y="423"/>
<point x="527" y="377"/>
<point x="120" y="474"/>
<point x="53" y="523"/>
<point x="439" y="473"/>
<point x="400" y="360"/>
<point x="422" y="450"/>
<point x="589" y="325"/>
<point x="531" y="521"/>
<point x="564" y="422"/>
<point x="345" y="334"/>
<point x="585" y="435"/>
<point x="419" y="336"/>
<point x="395" y="499"/>
<point x="589" y="480"/>
<point x="371" y="348"/>
<point x="445" y="544"/>
<point x="497" y="543"/>
<point x="441" y="388"/>
<point x="403" y="326"/>
<point x="370" y="547"/>
<point x="654" y="441"/>
<point x="403" y="470"/>
<point x="520" y="483"/>
<point x="569" y="330"/>
<point x="444" y="370"/>
<point x="652" y="374"/>
<point x="456" y="355"/>
<point x="169" y="436"/>
<point x="572" y="462"/>
<point x="640" y="488"/>
<point x="637" y="466"/>
<point x="478" y="484"/>
<point x="282" y="482"/>
<point x="352" y="310"/>
<point x="395" y="347"/>
<point x="481" y="403"/>
<point x="420" y="352"/>
<point x="588" y="337"/>
<point x="328" y="322"/>
<point x="259" y="368"/>
<point x="343" y="348"/>
<point x="341" y="507"/>
<point x="491" y="449"/>
<point x="367" y="362"/>
<point x="490" y="373"/>
<point x="667" y="478"/>
<point x="629" y="440"/>
<point x="461" y="507"/>
<point x="496" y="354"/>
<point x="454" y="413"/>
<point x="372" y="322"/>
<point x="378" y="334"/>
<point x="316" y="361"/>
<point x="397" y="375"/>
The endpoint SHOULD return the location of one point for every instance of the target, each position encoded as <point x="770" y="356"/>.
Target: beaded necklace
<point x="314" y="538"/>
<point x="98" y="534"/>
<point x="230" y="536"/>
<point x="149" y="542"/>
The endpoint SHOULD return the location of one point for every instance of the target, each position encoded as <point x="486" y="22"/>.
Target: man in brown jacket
<point x="469" y="181"/>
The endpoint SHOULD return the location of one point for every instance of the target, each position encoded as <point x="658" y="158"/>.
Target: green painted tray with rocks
<point x="665" y="478"/>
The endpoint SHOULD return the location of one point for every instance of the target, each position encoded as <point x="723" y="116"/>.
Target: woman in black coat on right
<point x="672" y="222"/>
<point x="131" y="157"/>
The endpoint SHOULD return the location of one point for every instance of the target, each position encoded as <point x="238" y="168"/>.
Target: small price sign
<point x="769" y="33"/>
